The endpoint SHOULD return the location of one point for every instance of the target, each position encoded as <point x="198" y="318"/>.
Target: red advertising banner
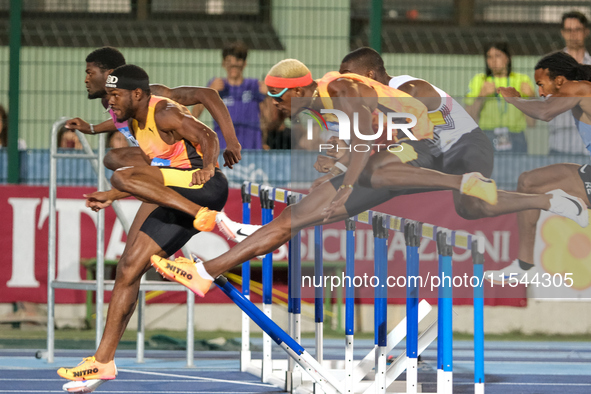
<point x="24" y="214"/>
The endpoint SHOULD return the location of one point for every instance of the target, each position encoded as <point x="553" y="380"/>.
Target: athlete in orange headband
<point x="289" y="80"/>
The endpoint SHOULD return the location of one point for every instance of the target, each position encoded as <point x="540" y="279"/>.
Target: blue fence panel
<point x="279" y="168"/>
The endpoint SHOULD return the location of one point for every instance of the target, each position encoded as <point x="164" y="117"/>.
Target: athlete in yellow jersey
<point x="291" y="79"/>
<point x="183" y="181"/>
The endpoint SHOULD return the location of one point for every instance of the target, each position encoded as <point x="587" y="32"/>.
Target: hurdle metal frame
<point x="99" y="285"/>
<point x="326" y="380"/>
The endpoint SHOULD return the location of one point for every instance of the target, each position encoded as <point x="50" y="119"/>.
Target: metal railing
<point x="99" y="285"/>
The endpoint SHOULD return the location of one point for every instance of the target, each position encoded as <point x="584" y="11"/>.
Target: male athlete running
<point x="327" y="203"/>
<point x="185" y="184"/>
<point x="565" y="85"/>
<point x="100" y="63"/>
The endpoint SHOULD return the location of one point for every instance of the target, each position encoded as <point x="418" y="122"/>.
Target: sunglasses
<point x="277" y="96"/>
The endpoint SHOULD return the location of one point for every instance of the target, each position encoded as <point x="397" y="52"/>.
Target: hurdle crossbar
<point x="382" y="223"/>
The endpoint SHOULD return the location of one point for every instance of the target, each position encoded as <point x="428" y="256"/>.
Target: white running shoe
<point x="513" y="273"/>
<point x="236" y="232"/>
<point x="84" y="386"/>
<point x="571" y="207"/>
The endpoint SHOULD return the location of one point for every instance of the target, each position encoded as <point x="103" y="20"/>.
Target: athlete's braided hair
<point x="561" y="63"/>
<point x="106" y="58"/>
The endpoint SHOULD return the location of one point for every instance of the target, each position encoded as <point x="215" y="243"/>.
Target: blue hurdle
<point x="350" y="380"/>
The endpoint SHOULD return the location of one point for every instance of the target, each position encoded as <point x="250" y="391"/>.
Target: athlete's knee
<point x="128" y="270"/>
<point x="112" y="160"/>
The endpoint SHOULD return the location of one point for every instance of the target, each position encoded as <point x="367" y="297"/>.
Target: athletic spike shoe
<point x="205" y="219"/>
<point x="476" y="185"/>
<point x="85" y="386"/>
<point x="571" y="207"/>
<point x="89" y="369"/>
<point x="513" y="273"/>
<point x="234" y="231"/>
<point x="183" y="271"/>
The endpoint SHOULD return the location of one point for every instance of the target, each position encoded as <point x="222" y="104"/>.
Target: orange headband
<point x="279" y="82"/>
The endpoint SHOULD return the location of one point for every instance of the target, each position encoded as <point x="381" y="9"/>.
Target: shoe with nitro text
<point x="511" y="274"/>
<point x="184" y="271"/>
<point x="234" y="231"/>
<point x="205" y="219"/>
<point x="89" y="369"/>
<point x="477" y="185"/>
<point x="571" y="207"/>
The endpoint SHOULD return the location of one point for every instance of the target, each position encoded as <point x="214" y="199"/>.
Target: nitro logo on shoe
<point x="179" y="271"/>
<point x="85" y="372"/>
<point x="588" y="187"/>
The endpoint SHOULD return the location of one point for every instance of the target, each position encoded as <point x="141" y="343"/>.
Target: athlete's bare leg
<point x="308" y="212"/>
<point x="387" y="170"/>
<point x="124" y="157"/>
<point x="147" y="184"/>
<point x="542" y="180"/>
<point x="134" y="262"/>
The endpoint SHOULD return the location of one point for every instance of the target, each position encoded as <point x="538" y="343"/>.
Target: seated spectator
<point x="242" y="96"/>
<point x="67" y="139"/>
<point x="116" y="140"/>
<point x="503" y="123"/>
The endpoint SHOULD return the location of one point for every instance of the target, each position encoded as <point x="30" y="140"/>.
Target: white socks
<point x="202" y="272"/>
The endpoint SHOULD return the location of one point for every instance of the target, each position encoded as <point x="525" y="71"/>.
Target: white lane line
<point x="196" y="378"/>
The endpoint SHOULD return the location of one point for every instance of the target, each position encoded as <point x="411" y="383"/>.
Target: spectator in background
<point x="67" y="139"/>
<point x="503" y="124"/>
<point x="243" y="97"/>
<point x="115" y="139"/>
<point x="22" y="145"/>
<point x="563" y="134"/>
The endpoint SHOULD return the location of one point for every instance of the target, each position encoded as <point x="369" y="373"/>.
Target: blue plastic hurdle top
<point x="459" y="239"/>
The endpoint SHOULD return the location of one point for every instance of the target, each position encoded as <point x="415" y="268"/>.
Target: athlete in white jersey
<point x="450" y="119"/>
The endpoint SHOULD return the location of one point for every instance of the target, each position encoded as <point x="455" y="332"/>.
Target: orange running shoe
<point x="183" y="271"/>
<point x="89" y="369"/>
<point x="477" y="185"/>
<point x="205" y="219"/>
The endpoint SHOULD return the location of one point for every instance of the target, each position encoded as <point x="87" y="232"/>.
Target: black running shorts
<point x="473" y="152"/>
<point x="170" y="228"/>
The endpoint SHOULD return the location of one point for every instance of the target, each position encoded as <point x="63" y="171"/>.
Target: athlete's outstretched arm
<point x="170" y="119"/>
<point x="84" y="127"/>
<point x="542" y="109"/>
<point x="211" y="100"/>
